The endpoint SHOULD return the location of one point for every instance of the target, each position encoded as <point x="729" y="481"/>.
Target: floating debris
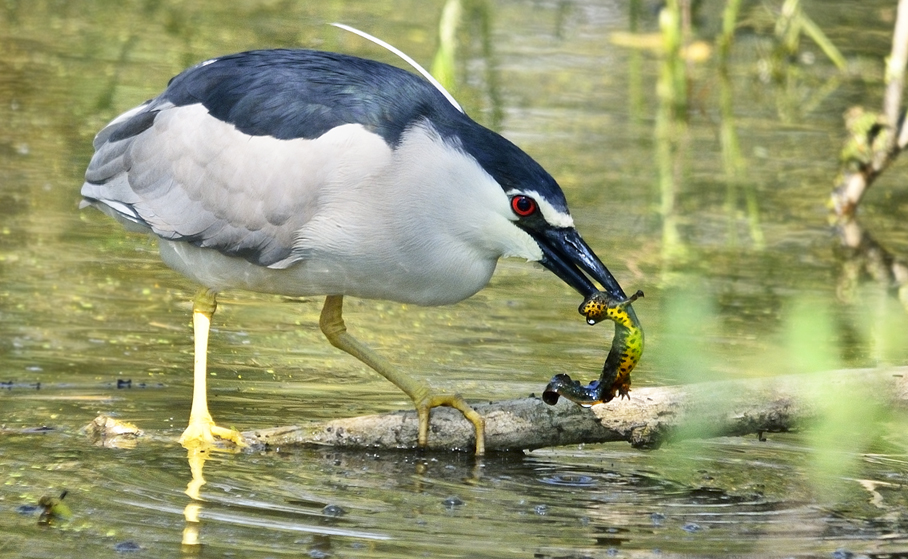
<point x="112" y="433"/>
<point x="127" y="546"/>
<point x="53" y="509"/>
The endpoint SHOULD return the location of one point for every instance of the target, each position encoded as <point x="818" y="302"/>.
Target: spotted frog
<point x="627" y="347"/>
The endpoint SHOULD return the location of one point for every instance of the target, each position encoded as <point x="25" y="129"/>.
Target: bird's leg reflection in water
<point x="425" y="478"/>
<point x="332" y="325"/>
<point x="196" y="455"/>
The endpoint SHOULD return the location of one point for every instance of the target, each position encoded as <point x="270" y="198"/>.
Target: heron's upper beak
<point x="567" y="254"/>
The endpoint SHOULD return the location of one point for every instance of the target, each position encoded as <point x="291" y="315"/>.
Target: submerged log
<point x="651" y="416"/>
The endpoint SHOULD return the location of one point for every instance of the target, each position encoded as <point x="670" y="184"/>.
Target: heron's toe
<point x="228" y="435"/>
<point x="204" y="432"/>
<point x="457" y="402"/>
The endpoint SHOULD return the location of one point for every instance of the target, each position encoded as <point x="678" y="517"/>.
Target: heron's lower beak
<point x="567" y="254"/>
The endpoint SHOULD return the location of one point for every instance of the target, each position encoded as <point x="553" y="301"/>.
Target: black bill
<point x="566" y="254"/>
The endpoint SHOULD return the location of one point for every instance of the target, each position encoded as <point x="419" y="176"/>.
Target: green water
<point x="740" y="272"/>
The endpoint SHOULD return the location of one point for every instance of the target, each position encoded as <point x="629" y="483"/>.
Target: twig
<point x="895" y="76"/>
<point x="885" y="139"/>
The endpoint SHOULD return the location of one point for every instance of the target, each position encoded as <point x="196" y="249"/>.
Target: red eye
<point x="523" y="205"/>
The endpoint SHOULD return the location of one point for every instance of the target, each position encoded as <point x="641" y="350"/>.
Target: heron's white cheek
<point x="464" y="210"/>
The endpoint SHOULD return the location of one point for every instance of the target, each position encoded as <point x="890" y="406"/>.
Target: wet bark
<point x="649" y="418"/>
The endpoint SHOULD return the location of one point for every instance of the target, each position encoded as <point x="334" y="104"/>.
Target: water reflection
<point x="190" y="543"/>
<point x="863" y="256"/>
<point x="741" y="496"/>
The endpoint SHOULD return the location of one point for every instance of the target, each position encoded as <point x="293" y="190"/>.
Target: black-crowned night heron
<point x="305" y="173"/>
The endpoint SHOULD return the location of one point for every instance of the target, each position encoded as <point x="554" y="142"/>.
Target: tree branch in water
<point x="650" y="417"/>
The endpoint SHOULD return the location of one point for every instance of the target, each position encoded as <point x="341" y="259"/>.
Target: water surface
<point x="741" y="280"/>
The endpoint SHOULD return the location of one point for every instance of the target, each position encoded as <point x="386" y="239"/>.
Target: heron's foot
<point x="452" y="401"/>
<point x="203" y="431"/>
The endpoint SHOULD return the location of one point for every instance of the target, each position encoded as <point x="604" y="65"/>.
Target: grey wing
<point x="188" y="176"/>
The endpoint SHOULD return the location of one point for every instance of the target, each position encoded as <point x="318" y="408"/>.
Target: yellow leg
<point x="332" y="324"/>
<point x="201" y="429"/>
